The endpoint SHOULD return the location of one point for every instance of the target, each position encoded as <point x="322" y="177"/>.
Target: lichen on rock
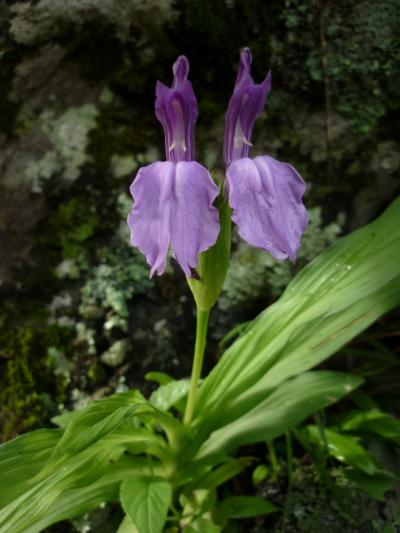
<point x="49" y="19"/>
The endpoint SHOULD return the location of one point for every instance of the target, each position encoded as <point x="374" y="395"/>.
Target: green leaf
<point x="177" y="433"/>
<point x="199" y="468"/>
<point x="79" y="484"/>
<point x="249" y="506"/>
<point x="260" y="474"/>
<point x="59" y="477"/>
<point x="97" y="410"/>
<point x="159" y="377"/>
<point x="70" y="503"/>
<point x="287" y="406"/>
<point x="330" y="301"/>
<point x="197" y="503"/>
<point x="63" y="420"/>
<point x="126" y="526"/>
<point x="345" y="448"/>
<point x="202" y="525"/>
<point x="373" y="421"/>
<point x="146" y="501"/>
<point x="169" y="395"/>
<point x="375" y="485"/>
<point x="219" y="475"/>
<point x="95" y="421"/>
<point x="237" y="331"/>
<point x="22" y="459"/>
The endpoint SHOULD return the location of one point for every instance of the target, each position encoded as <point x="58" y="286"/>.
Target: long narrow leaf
<point x="329" y="302"/>
<point x="21" y="459"/>
<point x="287" y="406"/>
<point x="79" y="484"/>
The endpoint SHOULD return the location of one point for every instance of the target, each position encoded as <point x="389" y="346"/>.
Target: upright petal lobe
<point x="266" y="198"/>
<point x="176" y="109"/>
<point x="173" y="208"/>
<point x="246" y="104"/>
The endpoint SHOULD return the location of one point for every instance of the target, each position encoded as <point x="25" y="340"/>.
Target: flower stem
<point x="200" y="344"/>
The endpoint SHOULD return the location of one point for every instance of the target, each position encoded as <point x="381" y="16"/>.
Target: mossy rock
<point x="30" y="389"/>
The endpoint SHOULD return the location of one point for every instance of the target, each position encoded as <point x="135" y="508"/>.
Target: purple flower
<point x="173" y="200"/>
<point x="265" y="194"/>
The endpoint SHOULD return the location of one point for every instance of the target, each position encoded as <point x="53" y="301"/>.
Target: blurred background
<point x="79" y="316"/>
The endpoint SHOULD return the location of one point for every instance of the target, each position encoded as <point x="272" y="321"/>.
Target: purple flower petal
<point x="246" y="104"/>
<point x="173" y="207"/>
<point x="265" y="195"/>
<point x="176" y="109"/>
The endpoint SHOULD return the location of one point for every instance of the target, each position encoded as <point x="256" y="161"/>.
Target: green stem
<point x="200" y="344"/>
<point x="289" y="455"/>
<point x="273" y="459"/>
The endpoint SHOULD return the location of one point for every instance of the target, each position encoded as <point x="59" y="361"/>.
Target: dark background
<point x="79" y="317"/>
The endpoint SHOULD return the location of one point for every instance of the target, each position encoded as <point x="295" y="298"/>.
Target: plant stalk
<point x="273" y="460"/>
<point x="199" y="347"/>
<point x="289" y="455"/>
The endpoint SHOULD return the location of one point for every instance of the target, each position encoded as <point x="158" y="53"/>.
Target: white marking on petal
<point x="246" y="142"/>
<point x="239" y="138"/>
<point x="178" y="131"/>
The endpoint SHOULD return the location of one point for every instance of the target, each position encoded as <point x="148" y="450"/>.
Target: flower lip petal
<point x="195" y="220"/>
<point x="266" y="197"/>
<point x="173" y="207"/>
<point x="149" y="218"/>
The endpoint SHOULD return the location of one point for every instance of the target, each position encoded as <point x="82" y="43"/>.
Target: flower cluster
<point x="174" y="199"/>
